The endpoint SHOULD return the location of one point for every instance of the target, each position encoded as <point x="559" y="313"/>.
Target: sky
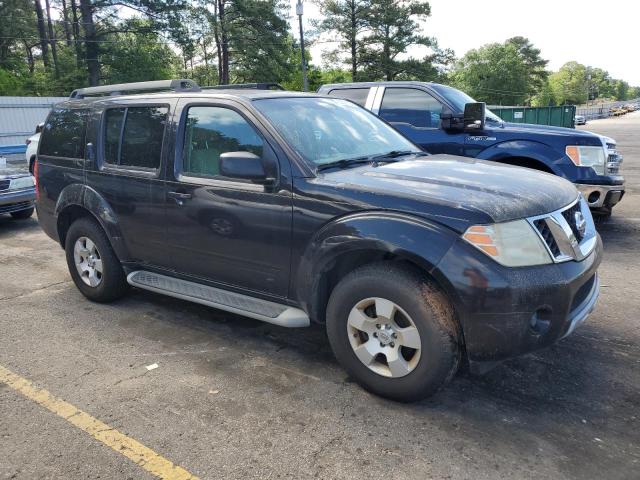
<point x="596" y="33"/>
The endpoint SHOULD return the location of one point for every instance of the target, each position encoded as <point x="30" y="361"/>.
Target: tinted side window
<point x="64" y="133"/>
<point x="409" y="105"/>
<point x="211" y="131"/>
<point x="113" y="128"/>
<point x="141" y="142"/>
<point x="358" y="95"/>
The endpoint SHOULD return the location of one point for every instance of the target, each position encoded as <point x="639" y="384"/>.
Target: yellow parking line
<point x="130" y="448"/>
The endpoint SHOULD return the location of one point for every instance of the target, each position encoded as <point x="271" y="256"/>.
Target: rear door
<point x="132" y="142"/>
<point x="416" y="114"/>
<point x="224" y="230"/>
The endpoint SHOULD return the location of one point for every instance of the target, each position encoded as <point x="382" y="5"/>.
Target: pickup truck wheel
<point x="393" y="331"/>
<point x="93" y="264"/>
<point x="22" y="214"/>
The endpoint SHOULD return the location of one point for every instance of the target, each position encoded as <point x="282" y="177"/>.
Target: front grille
<point x="559" y="232"/>
<point x="547" y="236"/>
<point x="570" y="216"/>
<point x="14" y="207"/>
<point x="4" y="184"/>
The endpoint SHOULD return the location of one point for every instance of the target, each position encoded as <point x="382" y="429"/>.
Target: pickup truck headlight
<point x="21" y="183"/>
<point x="512" y="244"/>
<point x="593" y="157"/>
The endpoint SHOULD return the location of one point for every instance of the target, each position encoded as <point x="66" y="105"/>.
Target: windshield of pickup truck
<point x="459" y="99"/>
<point x="328" y="130"/>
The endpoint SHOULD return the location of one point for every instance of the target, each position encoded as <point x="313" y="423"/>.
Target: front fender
<point x="411" y="238"/>
<point x="538" y="151"/>
<point x="89" y="199"/>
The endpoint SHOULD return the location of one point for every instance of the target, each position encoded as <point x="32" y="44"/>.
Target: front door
<point x="416" y="114"/>
<point x="224" y="230"/>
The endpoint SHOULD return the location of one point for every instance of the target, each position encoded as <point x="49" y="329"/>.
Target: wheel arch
<point x="78" y="201"/>
<point x="357" y="240"/>
<point x="525" y="153"/>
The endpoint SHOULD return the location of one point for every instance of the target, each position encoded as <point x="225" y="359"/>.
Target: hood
<point x="469" y="190"/>
<point x="580" y="137"/>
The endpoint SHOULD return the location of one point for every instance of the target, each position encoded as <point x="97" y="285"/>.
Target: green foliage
<point x="137" y="54"/>
<point x="494" y="73"/>
<point x="569" y="84"/>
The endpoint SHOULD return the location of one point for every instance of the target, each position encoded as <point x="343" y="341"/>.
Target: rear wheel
<point x="93" y="264"/>
<point x="22" y="214"/>
<point x="393" y="331"/>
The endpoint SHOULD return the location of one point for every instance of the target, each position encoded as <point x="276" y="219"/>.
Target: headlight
<point x="512" y="244"/>
<point x="593" y="157"/>
<point x="21" y="183"/>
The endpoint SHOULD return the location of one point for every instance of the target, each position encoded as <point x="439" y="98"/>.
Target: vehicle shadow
<point x="564" y="396"/>
<point x="10" y="226"/>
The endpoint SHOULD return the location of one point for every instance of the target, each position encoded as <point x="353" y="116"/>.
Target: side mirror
<point x="474" y="115"/>
<point x="39" y="127"/>
<point x="245" y="166"/>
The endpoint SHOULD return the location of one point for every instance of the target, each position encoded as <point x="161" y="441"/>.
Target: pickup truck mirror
<point x="245" y="166"/>
<point x="474" y="115"/>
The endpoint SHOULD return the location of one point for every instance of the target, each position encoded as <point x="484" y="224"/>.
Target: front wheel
<point x="394" y="331"/>
<point x="93" y="264"/>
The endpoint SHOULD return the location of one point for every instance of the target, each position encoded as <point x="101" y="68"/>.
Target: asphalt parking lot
<point x="236" y="398"/>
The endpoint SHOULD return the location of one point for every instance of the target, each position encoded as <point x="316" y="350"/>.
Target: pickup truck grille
<point x="4" y="184"/>
<point x="568" y="233"/>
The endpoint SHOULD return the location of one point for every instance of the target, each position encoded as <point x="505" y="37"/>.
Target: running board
<point x="270" y="312"/>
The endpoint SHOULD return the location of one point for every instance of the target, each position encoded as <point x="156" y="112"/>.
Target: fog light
<point x="593" y="197"/>
<point x="540" y="321"/>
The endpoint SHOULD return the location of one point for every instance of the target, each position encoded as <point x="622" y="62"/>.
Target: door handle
<point x="180" y="197"/>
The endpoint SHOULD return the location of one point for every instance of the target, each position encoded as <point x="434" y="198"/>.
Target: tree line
<point x="49" y="47"/>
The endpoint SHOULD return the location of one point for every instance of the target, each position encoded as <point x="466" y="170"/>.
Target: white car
<point x="32" y="147"/>
<point x="580" y="120"/>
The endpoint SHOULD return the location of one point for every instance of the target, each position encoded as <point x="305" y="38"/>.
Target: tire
<point x="23" y="214"/>
<point x="418" y="303"/>
<point x="106" y="285"/>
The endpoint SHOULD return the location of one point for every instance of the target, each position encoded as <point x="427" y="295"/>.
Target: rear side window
<point x="357" y="95"/>
<point x="64" y="133"/>
<point x="212" y="131"/>
<point x="412" y="106"/>
<point x="133" y="136"/>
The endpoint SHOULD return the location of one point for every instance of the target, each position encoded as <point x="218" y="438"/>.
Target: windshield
<point x="459" y="99"/>
<point x="326" y="130"/>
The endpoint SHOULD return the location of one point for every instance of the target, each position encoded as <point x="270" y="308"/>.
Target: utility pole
<point x="303" y="62"/>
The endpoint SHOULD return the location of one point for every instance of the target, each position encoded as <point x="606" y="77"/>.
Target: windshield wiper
<point x="393" y="154"/>
<point x="384" y="157"/>
<point x="344" y="163"/>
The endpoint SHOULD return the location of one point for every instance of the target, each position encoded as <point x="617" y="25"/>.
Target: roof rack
<point x="177" y="85"/>
<point x="256" y="86"/>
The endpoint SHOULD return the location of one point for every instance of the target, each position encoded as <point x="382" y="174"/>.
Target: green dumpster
<point x="562" y="116"/>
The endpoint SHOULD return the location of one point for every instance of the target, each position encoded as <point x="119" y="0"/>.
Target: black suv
<point x="291" y="208"/>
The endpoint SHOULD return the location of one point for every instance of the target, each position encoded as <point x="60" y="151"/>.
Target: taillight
<point x="35" y="178"/>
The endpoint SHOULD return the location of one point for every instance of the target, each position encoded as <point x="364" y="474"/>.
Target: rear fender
<point x="365" y="235"/>
<point x="91" y="201"/>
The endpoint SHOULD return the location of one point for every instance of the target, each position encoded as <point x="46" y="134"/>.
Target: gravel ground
<point x="236" y="398"/>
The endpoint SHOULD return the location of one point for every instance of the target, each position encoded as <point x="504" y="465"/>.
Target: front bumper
<point x="506" y="312"/>
<point x="14" y="201"/>
<point x="599" y="196"/>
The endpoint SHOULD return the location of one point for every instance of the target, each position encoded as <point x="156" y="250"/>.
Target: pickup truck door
<point x="416" y="114"/>
<point x="224" y="230"/>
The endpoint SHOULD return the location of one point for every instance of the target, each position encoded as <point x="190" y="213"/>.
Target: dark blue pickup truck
<point x="432" y="116"/>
